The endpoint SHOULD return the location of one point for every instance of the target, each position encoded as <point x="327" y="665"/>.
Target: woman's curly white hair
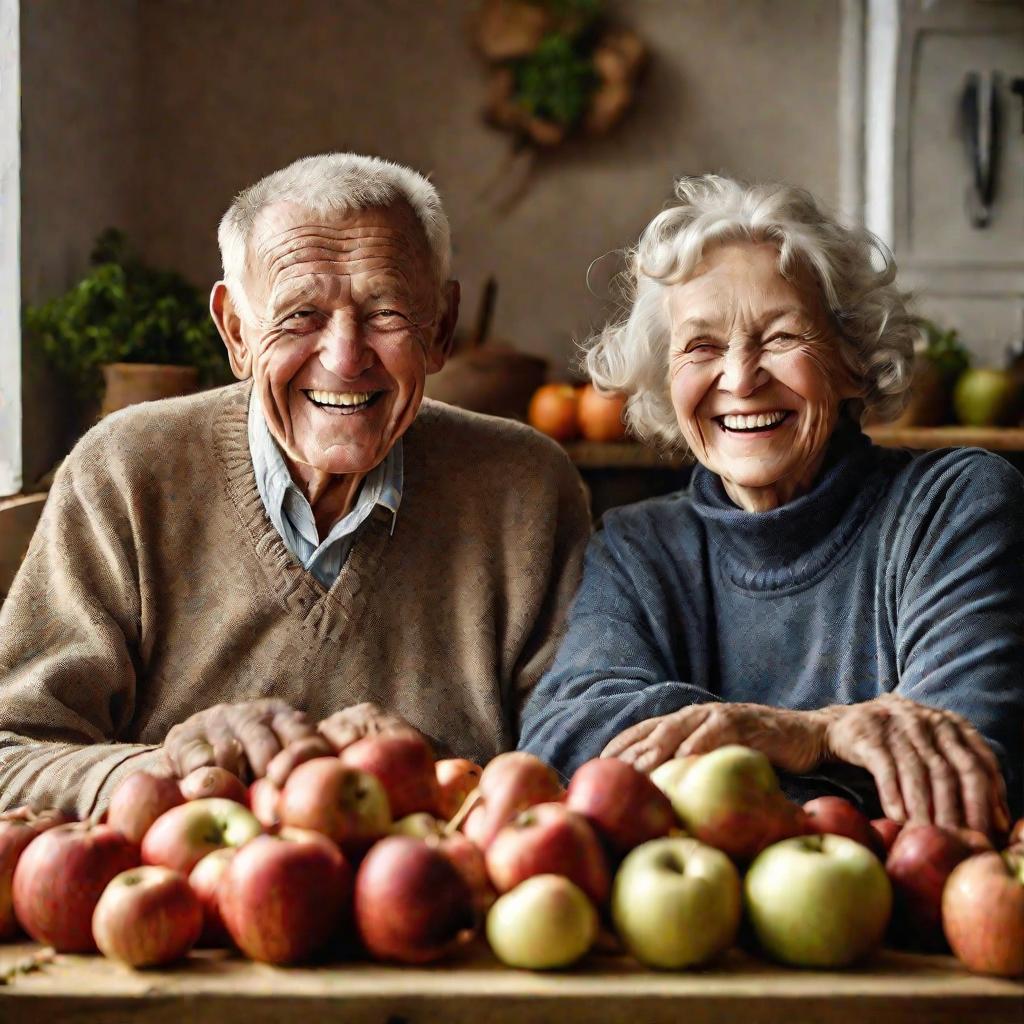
<point x="875" y="331"/>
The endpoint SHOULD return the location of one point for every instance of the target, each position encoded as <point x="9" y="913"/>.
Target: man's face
<point x="344" y="323"/>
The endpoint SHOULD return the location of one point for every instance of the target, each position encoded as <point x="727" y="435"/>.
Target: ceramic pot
<point x="128" y="383"/>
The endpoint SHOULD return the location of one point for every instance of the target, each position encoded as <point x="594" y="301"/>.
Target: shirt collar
<point x="382" y="485"/>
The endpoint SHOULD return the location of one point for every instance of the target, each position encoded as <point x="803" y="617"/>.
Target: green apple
<point x="543" y="923"/>
<point x="668" y="775"/>
<point x="986" y="398"/>
<point x="818" y="901"/>
<point x="676" y="902"/>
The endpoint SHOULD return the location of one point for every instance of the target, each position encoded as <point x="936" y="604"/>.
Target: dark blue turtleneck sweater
<point x="895" y="573"/>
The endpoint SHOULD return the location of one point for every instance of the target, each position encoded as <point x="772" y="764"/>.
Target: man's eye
<point x="385" y="314"/>
<point x="300" y="314"/>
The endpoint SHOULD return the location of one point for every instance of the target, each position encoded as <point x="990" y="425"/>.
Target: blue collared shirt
<point x="291" y="513"/>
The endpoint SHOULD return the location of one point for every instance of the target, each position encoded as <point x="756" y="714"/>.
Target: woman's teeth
<point x="757" y="421"/>
<point x="342" y="398"/>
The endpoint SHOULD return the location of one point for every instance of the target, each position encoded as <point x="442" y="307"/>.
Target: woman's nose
<point x="742" y="372"/>
<point x="343" y="351"/>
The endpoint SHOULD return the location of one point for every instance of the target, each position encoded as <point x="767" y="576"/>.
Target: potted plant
<point x="134" y="332"/>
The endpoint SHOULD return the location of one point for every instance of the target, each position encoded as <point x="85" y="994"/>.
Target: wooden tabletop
<point x="217" y="987"/>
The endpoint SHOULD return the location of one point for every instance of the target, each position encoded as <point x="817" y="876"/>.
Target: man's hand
<point x="791" y="740"/>
<point x="243" y="738"/>
<point x="928" y="764"/>
<point x="332" y="736"/>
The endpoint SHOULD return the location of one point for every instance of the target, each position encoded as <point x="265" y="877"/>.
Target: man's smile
<point x="342" y="402"/>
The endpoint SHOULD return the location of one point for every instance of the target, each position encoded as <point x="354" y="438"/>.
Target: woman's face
<point x="755" y="373"/>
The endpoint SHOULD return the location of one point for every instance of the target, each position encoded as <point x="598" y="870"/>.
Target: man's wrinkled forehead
<point x="287" y="240"/>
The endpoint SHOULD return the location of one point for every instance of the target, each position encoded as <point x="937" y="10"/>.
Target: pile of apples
<point x="385" y="852"/>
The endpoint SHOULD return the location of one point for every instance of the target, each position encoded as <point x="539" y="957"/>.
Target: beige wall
<point x="154" y="114"/>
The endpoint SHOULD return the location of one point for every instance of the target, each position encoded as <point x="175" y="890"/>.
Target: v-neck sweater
<point x="156" y="586"/>
<point x="894" y="573"/>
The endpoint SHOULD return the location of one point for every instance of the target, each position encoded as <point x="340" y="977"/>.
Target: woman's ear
<point x="229" y="325"/>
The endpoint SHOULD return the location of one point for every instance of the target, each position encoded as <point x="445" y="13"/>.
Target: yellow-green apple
<point x="60" y="877"/>
<point x="818" y="901"/>
<point x="139" y="800"/>
<point x="282" y="897"/>
<point x="622" y="804"/>
<point x="832" y="815"/>
<point x="886" y="830"/>
<point x="670" y="773"/>
<point x="457" y="777"/>
<point x="730" y="799"/>
<point x="17" y="830"/>
<point x="347" y="805"/>
<point x="264" y="802"/>
<point x="549" y="839"/>
<point x="147" y="916"/>
<point x="510" y="783"/>
<point x="182" y="836"/>
<point x="545" y="923"/>
<point x="404" y="763"/>
<point x="419" y="825"/>
<point x="983" y="913"/>
<point x="920" y="861"/>
<point x="411" y="904"/>
<point x="205" y="879"/>
<point x="469" y="861"/>
<point x="211" y="781"/>
<point x="676" y="902"/>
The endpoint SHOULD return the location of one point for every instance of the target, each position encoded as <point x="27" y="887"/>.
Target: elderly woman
<point x="854" y="612"/>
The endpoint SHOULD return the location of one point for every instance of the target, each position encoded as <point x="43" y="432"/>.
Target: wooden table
<point x="215" y="987"/>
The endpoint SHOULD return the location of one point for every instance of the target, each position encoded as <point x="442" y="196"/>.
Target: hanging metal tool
<point x="979" y="123"/>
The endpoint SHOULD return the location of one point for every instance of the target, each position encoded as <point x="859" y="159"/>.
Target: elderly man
<point x="263" y="573"/>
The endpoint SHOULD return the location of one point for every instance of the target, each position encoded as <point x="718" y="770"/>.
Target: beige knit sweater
<point x="156" y="586"/>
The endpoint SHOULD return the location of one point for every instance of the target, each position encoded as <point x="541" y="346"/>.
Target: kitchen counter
<point x="212" y="986"/>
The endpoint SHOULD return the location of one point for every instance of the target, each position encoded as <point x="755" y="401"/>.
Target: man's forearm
<point x="73" y="777"/>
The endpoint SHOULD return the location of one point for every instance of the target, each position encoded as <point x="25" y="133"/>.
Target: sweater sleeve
<point x="615" y="667"/>
<point x="960" y="601"/>
<point x="69" y="636"/>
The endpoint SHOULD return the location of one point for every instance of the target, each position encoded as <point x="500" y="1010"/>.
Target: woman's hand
<point x="243" y="738"/>
<point x="928" y="764"/>
<point x="791" y="740"/>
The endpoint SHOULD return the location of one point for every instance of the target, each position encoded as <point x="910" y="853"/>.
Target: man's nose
<point x="343" y="349"/>
<point x="742" y="372"/>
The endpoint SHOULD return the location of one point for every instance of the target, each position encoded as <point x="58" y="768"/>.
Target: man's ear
<point x="445" y="338"/>
<point x="229" y="324"/>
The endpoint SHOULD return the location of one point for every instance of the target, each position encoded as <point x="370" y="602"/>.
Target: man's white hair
<point x="333" y="183"/>
<point x="875" y="332"/>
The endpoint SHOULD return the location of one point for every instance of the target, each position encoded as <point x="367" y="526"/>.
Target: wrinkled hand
<point x="332" y="736"/>
<point x="928" y="764"/>
<point x="243" y="738"/>
<point x="791" y="740"/>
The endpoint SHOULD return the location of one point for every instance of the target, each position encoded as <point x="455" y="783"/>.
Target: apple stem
<point x="472" y="799"/>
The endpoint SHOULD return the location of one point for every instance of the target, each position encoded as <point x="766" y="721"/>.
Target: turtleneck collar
<point x="794" y="544"/>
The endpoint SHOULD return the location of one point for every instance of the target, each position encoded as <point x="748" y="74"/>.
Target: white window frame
<point x="10" y="235"/>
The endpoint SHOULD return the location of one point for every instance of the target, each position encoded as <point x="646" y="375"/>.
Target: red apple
<point x="15" y="834"/>
<point x="509" y="784"/>
<point x="1016" y="836"/>
<point x="264" y="802"/>
<point x="212" y="781"/>
<point x="403" y="763"/>
<point x="419" y="825"/>
<point x="622" y="804"/>
<point x="456" y="779"/>
<point x="282" y="897"/>
<point x="887" y="830"/>
<point x="182" y="836"/>
<point x="205" y="880"/>
<point x="918" y="865"/>
<point x="147" y="916"/>
<point x="139" y="800"/>
<point x="411" y="904"/>
<point x="730" y="799"/>
<point x="832" y="815"/>
<point x="983" y="913"/>
<point x="60" y="877"/>
<point x="347" y="805"/>
<point x="469" y="861"/>
<point x="549" y="839"/>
